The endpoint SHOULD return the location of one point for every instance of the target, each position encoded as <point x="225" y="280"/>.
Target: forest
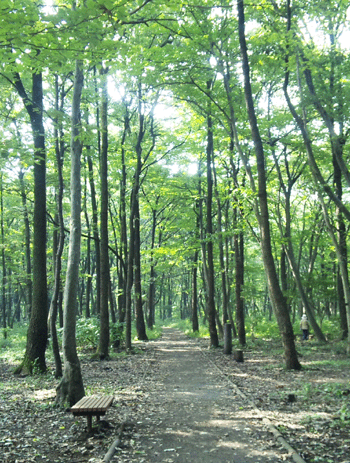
<point x="173" y="160"/>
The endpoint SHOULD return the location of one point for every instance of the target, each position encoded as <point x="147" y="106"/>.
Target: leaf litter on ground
<point x="316" y="424"/>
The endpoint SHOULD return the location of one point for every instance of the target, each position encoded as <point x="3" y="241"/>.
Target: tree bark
<point x="3" y="261"/>
<point x="58" y="250"/>
<point x="122" y="274"/>
<point x="130" y="273"/>
<point x="71" y="388"/>
<point x="103" y="348"/>
<point x="29" y="285"/>
<point x="95" y="232"/>
<point x="152" y="276"/>
<point x="225" y="316"/>
<point x="132" y="218"/>
<point x="194" y="300"/>
<point x="239" y="271"/>
<point x="278" y="300"/>
<point x="37" y="331"/>
<point x="139" y="315"/>
<point x="214" y="340"/>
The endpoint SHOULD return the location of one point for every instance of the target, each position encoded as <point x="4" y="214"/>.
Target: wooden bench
<point x="95" y="405"/>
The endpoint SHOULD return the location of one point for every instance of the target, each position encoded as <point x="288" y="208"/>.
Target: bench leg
<point x="89" y="423"/>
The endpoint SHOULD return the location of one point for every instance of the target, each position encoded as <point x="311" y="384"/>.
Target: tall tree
<point x="58" y="248"/>
<point x="278" y="300"/>
<point x="104" y="266"/>
<point x="71" y="387"/>
<point x="38" y="329"/>
<point x="214" y="340"/>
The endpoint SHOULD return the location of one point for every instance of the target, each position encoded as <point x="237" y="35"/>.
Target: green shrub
<point x="155" y="332"/>
<point x="87" y="332"/>
<point x="261" y="327"/>
<point x="117" y="333"/>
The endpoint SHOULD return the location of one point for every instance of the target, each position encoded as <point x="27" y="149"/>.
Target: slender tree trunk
<point x="59" y="149"/>
<point x="139" y="315"/>
<point x="134" y="243"/>
<point x="151" y="289"/>
<point x="238" y="238"/>
<point x="103" y="349"/>
<point x="88" y="268"/>
<point x="194" y="302"/>
<point x="225" y="315"/>
<point x="214" y="341"/>
<point x="278" y="300"/>
<point x="130" y="274"/>
<point x="239" y="271"/>
<point x="131" y="251"/>
<point x="123" y="226"/>
<point x="71" y="388"/>
<point x="337" y="180"/>
<point x="95" y="232"/>
<point x="54" y="305"/>
<point x="111" y="300"/>
<point x="3" y="261"/>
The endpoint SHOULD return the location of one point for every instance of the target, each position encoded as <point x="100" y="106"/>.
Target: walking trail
<point x="193" y="414"/>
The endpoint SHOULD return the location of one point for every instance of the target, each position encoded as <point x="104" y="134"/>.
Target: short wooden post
<point x="227" y="338"/>
<point x="238" y="355"/>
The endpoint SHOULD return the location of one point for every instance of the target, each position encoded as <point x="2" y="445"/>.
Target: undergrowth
<point x="12" y="348"/>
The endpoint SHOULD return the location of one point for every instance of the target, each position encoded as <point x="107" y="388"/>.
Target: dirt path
<point x="193" y="414"/>
<point x="179" y="401"/>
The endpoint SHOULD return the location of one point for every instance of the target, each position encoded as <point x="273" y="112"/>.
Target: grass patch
<point x="155" y="333"/>
<point x="12" y="347"/>
<point x="186" y="327"/>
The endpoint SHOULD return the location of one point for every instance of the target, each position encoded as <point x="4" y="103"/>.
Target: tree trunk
<point x="337" y="180"/>
<point x="278" y="300"/>
<point x="239" y="267"/>
<point x="29" y="285"/>
<point x="95" y="232"/>
<point x="152" y="276"/>
<point x="225" y="316"/>
<point x="130" y="276"/>
<point x="214" y="339"/>
<point x="140" y="320"/>
<point x="194" y="301"/>
<point x="3" y="261"/>
<point x="71" y="388"/>
<point x="37" y="331"/>
<point x="58" y="249"/>
<point x="131" y="250"/>
<point x="122" y="274"/>
<point x="103" y="347"/>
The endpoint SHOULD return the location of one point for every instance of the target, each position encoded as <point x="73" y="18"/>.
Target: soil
<point x="178" y="401"/>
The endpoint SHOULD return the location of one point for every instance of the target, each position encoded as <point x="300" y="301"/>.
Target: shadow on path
<point x="193" y="414"/>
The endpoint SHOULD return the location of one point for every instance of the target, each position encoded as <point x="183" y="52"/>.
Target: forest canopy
<point x="194" y="154"/>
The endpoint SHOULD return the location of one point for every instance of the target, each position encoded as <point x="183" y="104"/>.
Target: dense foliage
<point x="163" y="99"/>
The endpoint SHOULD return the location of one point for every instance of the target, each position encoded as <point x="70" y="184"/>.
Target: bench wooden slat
<point x="92" y="405"/>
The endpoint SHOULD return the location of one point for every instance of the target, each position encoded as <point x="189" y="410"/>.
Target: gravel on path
<point x="192" y="414"/>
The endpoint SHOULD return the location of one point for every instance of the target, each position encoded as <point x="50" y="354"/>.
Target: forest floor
<point x="180" y="402"/>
